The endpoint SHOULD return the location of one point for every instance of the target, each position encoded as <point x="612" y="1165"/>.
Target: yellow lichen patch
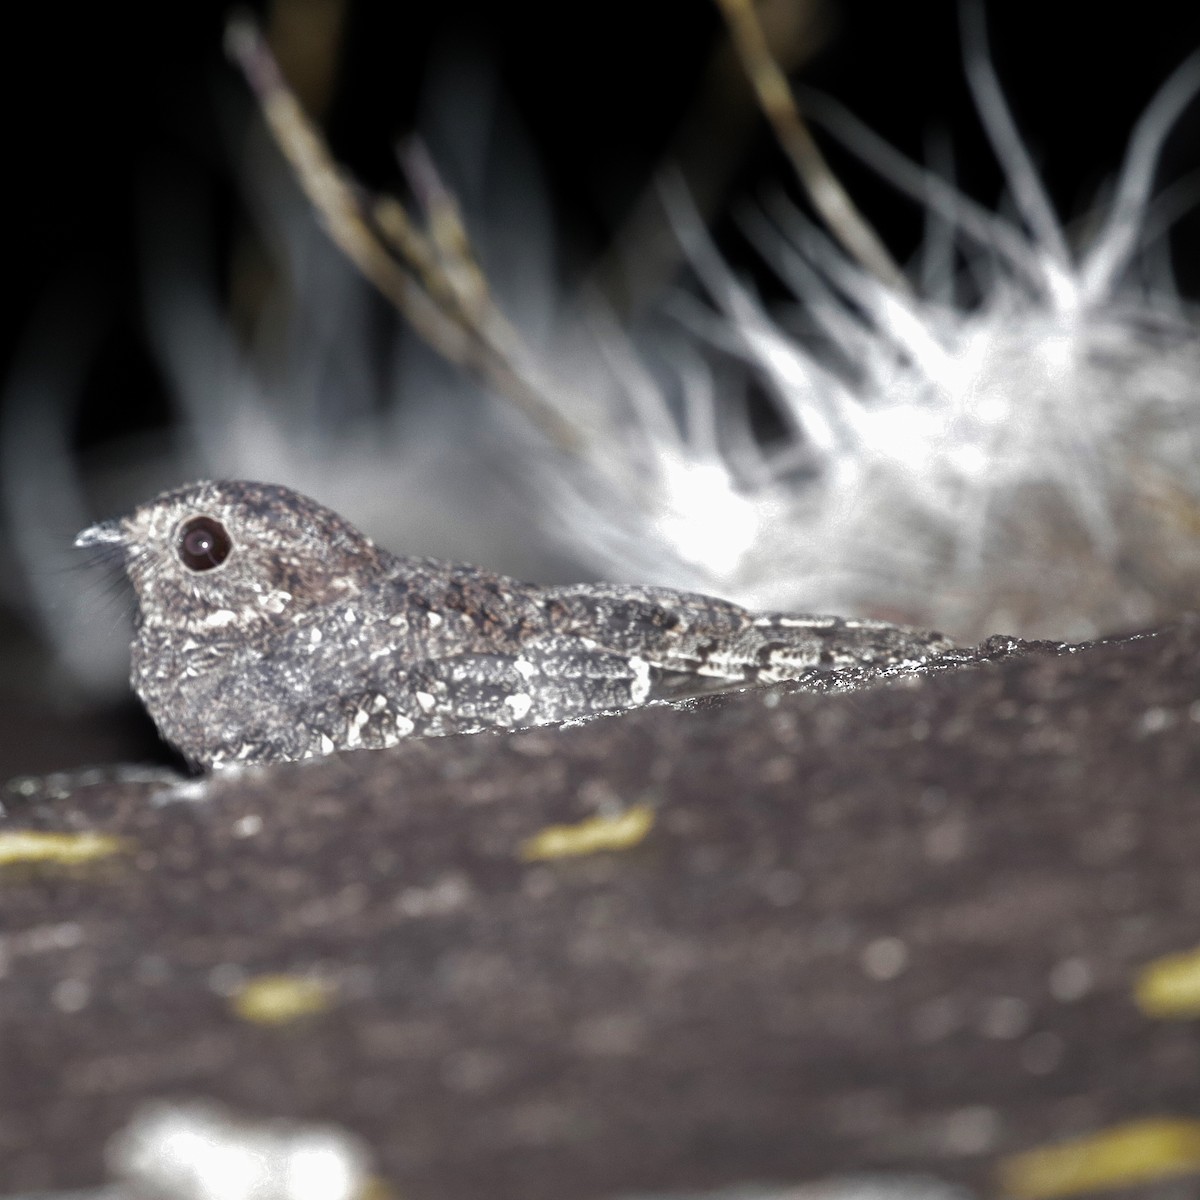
<point x="277" y="999"/>
<point x="378" y="1189"/>
<point x="591" y="836"/>
<point x="1121" y="1156"/>
<point x="1170" y="987"/>
<point x="23" y="846"/>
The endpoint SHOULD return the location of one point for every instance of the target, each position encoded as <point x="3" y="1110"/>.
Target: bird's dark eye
<point x="202" y="543"/>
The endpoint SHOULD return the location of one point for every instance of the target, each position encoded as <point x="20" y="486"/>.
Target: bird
<point x="269" y="629"/>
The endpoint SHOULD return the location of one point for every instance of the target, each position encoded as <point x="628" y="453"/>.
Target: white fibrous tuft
<point x="1027" y="462"/>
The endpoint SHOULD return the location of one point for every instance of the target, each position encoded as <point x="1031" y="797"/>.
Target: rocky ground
<point x="927" y="927"/>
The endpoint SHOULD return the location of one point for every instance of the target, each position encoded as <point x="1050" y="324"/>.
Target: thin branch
<point x="447" y="232"/>
<point x="456" y="265"/>
<point x="828" y="196"/>
<point x="475" y="335"/>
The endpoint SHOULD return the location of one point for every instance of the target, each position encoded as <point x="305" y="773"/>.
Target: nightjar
<point x="268" y="629"/>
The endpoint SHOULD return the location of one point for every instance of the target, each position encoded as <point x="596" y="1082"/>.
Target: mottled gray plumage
<point x="268" y="629"/>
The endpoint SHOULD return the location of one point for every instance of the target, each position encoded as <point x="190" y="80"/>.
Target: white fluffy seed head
<point x="1024" y="462"/>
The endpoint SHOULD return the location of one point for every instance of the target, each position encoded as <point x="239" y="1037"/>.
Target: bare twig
<point x="444" y="257"/>
<point x="828" y="196"/>
<point x="456" y="319"/>
<point x="456" y="259"/>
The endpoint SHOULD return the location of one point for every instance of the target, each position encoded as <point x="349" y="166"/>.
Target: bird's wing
<point x="683" y="635"/>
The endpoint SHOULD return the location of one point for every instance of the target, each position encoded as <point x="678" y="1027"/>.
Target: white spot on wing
<point x="223" y="616"/>
<point x="354" y="728"/>
<point x="795" y="622"/>
<point x="275" y="602"/>
<point x="426" y="701"/>
<point x="520" y="703"/>
<point x="639" y="689"/>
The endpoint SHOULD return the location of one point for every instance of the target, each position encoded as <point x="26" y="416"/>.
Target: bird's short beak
<point x="107" y="533"/>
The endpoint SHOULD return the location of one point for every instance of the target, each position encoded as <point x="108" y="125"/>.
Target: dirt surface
<point x="893" y="929"/>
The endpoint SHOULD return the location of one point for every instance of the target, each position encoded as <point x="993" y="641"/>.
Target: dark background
<point x="98" y="97"/>
<point x="102" y="99"/>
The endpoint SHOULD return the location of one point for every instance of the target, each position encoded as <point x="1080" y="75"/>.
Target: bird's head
<point x="236" y="554"/>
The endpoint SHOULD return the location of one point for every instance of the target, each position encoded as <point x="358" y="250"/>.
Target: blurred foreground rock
<point x="905" y="929"/>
